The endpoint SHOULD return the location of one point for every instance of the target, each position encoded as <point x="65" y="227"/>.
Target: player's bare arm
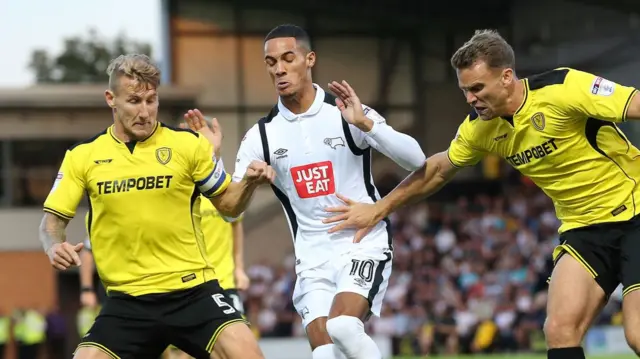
<point x="88" y="296"/>
<point x="242" y="280"/>
<point x="235" y="199"/>
<point x="53" y="237"/>
<point x="633" y="112"/>
<point x="433" y="175"/>
<point x="401" y="148"/>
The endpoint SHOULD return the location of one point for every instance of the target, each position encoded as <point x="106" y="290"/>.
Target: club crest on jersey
<point x="163" y="155"/>
<point x="538" y="121"/>
<point x="334" y="142"/>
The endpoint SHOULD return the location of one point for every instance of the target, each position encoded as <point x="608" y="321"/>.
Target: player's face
<point x="485" y="88"/>
<point x="288" y="64"/>
<point x="135" y="107"/>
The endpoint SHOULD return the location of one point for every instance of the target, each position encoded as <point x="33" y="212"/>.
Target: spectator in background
<point x="29" y="331"/>
<point x="56" y="333"/>
<point x="5" y="333"/>
<point x="493" y="276"/>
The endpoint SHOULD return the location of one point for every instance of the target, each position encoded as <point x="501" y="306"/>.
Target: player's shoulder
<point x="178" y="133"/>
<point x="558" y="78"/>
<point x="548" y="79"/>
<point x="179" y="139"/>
<point x="90" y="144"/>
<point x="268" y="118"/>
<point x="471" y="125"/>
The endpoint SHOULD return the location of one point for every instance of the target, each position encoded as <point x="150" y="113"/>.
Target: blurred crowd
<point x="469" y="276"/>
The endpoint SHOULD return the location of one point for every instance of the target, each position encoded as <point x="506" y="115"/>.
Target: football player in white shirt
<point x="319" y="145"/>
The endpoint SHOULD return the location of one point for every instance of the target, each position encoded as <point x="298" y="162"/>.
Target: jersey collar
<point x="314" y="109"/>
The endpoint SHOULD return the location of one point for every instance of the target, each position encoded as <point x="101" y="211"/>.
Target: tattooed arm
<point x="53" y="237"/>
<point x="52" y="230"/>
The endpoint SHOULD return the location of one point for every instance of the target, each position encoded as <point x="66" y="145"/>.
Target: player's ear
<point x="110" y="98"/>
<point x="311" y="59"/>
<point x="507" y="76"/>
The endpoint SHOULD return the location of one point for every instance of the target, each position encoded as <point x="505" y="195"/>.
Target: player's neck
<point x="120" y="133"/>
<point x="516" y="99"/>
<point x="302" y="101"/>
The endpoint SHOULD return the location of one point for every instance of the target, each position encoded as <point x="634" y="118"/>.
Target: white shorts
<point x="365" y="271"/>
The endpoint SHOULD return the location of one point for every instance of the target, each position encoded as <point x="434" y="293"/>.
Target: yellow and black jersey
<point x="144" y="203"/>
<point x="565" y="139"/>
<point x="219" y="240"/>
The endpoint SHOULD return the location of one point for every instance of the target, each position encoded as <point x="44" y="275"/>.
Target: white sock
<point x="348" y="335"/>
<point x="327" y="351"/>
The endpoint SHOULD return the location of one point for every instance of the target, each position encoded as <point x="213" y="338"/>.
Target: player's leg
<point x="123" y="329"/>
<point x="312" y="299"/>
<point x="204" y="324"/>
<point x="236" y="341"/>
<point x="630" y="267"/>
<point x="584" y="276"/>
<point x="362" y="283"/>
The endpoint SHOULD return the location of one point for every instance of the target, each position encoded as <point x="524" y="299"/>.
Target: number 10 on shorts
<point x="220" y="301"/>
<point x="363" y="270"/>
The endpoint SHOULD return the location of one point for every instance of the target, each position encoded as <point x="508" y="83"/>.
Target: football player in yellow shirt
<point x="559" y="129"/>
<point x="144" y="182"/>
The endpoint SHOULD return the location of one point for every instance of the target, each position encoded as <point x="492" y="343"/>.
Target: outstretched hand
<point x="353" y="215"/>
<point x="348" y="103"/>
<point x="195" y="120"/>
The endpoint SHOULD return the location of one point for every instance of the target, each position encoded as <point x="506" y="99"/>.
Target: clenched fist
<point x="260" y="172"/>
<point x="64" y="255"/>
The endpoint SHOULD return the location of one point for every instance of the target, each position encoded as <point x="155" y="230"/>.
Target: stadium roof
<point x="61" y="96"/>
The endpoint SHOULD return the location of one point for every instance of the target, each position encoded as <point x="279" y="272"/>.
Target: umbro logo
<point x="102" y="162"/>
<point x="281" y="153"/>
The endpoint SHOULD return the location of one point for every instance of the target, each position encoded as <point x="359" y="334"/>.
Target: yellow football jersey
<point x="564" y="138"/>
<point x="144" y="202"/>
<point x="218" y="236"/>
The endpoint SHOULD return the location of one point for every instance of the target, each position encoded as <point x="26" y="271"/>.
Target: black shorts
<point x="235" y="299"/>
<point x="143" y="327"/>
<point x="610" y="252"/>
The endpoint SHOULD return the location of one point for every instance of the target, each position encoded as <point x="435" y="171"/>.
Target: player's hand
<point x="88" y="299"/>
<point x="353" y="215"/>
<point x="259" y="172"/>
<point x="349" y="104"/>
<point x="194" y="119"/>
<point x="242" y="279"/>
<point x="64" y="255"/>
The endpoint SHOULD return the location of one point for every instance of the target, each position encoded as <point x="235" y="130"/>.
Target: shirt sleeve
<point x="461" y="152"/>
<point x="87" y="244"/>
<point x="208" y="174"/>
<point x="68" y="189"/>
<point x="596" y="97"/>
<point x="250" y="150"/>
<point x="401" y="148"/>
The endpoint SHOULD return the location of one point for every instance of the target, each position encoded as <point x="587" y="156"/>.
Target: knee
<point x="343" y="327"/>
<point x="562" y="332"/>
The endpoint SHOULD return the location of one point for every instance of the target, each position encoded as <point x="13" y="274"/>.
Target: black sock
<point x="566" y="353"/>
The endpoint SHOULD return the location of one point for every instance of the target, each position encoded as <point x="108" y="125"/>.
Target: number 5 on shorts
<point x="219" y="299"/>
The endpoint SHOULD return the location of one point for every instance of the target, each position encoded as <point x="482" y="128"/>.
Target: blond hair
<point x="134" y="66"/>
<point x="487" y="46"/>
